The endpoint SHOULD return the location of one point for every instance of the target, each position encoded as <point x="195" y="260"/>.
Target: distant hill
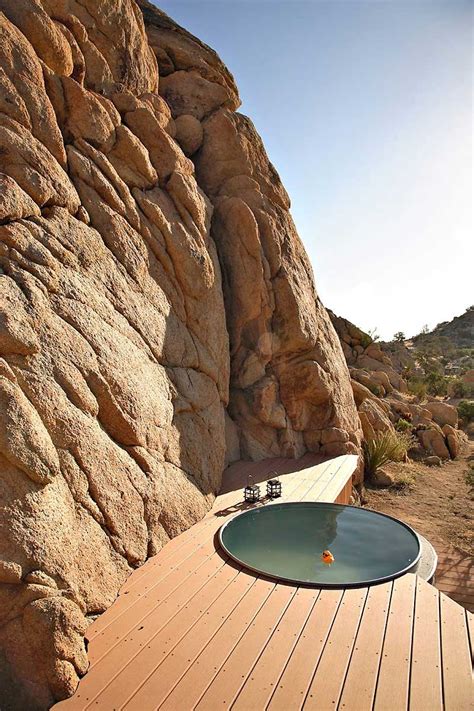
<point x="459" y="331"/>
<point x="435" y="363"/>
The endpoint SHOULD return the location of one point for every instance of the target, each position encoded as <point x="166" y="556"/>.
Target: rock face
<point x="158" y="316"/>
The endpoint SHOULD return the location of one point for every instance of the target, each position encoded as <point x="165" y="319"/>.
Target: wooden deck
<point x="192" y="630"/>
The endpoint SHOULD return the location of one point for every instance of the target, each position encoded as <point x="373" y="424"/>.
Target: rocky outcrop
<point x="286" y="387"/>
<point x="367" y="359"/>
<point x="158" y="316"/>
<point x="380" y="394"/>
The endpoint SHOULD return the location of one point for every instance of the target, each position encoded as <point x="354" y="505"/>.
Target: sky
<point x="365" y="109"/>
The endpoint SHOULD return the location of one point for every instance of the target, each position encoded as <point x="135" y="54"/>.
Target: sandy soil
<point x="436" y="501"/>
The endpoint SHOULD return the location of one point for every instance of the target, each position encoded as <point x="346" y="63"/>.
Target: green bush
<point x="417" y="387"/>
<point x="458" y="388"/>
<point x="366" y="340"/>
<point x="466" y="410"/>
<point x="437" y="384"/>
<point x="403" y="425"/>
<point x="386" y="447"/>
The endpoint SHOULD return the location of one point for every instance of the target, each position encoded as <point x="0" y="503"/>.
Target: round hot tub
<point x="286" y="541"/>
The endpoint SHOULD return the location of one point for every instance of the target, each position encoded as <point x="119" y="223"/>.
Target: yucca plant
<point x="386" y="447"/>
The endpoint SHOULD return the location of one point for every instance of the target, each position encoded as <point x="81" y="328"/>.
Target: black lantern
<point x="274" y="487"/>
<point x="251" y="491"/>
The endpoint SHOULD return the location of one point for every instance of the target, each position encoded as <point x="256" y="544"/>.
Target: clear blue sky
<point x="365" y="108"/>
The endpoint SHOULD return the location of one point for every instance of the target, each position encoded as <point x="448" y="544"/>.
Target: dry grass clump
<point x="386" y="447"/>
<point x="404" y="483"/>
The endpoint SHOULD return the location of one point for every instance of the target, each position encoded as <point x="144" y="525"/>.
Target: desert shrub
<point x="403" y="425"/>
<point x="437" y="384"/>
<point x="457" y="388"/>
<point x="417" y="387"/>
<point x="386" y="447"/>
<point x="366" y="340"/>
<point x="466" y="410"/>
<point x="403" y="483"/>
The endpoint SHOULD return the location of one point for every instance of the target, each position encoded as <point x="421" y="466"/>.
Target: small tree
<point x="399" y="337"/>
<point x="466" y="410"/>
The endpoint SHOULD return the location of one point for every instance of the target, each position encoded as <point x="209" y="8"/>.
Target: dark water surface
<point x="286" y="541"/>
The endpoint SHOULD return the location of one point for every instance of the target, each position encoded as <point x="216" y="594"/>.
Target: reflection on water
<point x="286" y="540"/>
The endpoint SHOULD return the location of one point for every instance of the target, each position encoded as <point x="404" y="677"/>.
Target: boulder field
<point x="382" y="398"/>
<point x="158" y="316"/>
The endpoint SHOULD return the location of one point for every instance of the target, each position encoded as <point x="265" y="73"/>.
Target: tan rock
<point x="131" y="160"/>
<point x="373" y="364"/>
<point x="361" y="393"/>
<point x="10" y="573"/>
<point x="336" y="449"/>
<point x="375" y="415"/>
<point x="232" y="441"/>
<point x="14" y="202"/>
<point x="47" y="39"/>
<point x="33" y="167"/>
<point x="443" y="414"/>
<point x="165" y="155"/>
<point x="187" y="92"/>
<point x="433" y="461"/>
<point x="367" y="427"/>
<point x="365" y="378"/>
<point x="433" y="441"/>
<point x="381" y="378"/>
<point x="334" y="434"/>
<point x="23" y="98"/>
<point x="113" y="42"/>
<point x="189" y="133"/>
<point x="90" y="120"/>
<point x="453" y="440"/>
<point x="382" y="478"/>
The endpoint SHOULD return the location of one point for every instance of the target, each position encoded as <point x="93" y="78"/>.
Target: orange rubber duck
<point x="327" y="558"/>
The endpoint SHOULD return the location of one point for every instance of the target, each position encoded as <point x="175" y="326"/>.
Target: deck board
<point x="225" y="686"/>
<point x="456" y="661"/>
<point x="361" y="679"/>
<point x="187" y="675"/>
<point x="262" y="679"/>
<point x="327" y="683"/>
<point x="193" y="630"/>
<point x="394" y="674"/>
<point x="425" y="683"/>
<point x="293" y="685"/>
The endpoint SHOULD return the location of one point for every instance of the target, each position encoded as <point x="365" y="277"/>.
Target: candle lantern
<point x="251" y="491"/>
<point x="273" y="486"/>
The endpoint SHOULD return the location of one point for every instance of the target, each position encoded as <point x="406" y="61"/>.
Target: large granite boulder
<point x="158" y="316"/>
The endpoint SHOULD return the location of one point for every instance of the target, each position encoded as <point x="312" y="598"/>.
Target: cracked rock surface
<point x="158" y="317"/>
